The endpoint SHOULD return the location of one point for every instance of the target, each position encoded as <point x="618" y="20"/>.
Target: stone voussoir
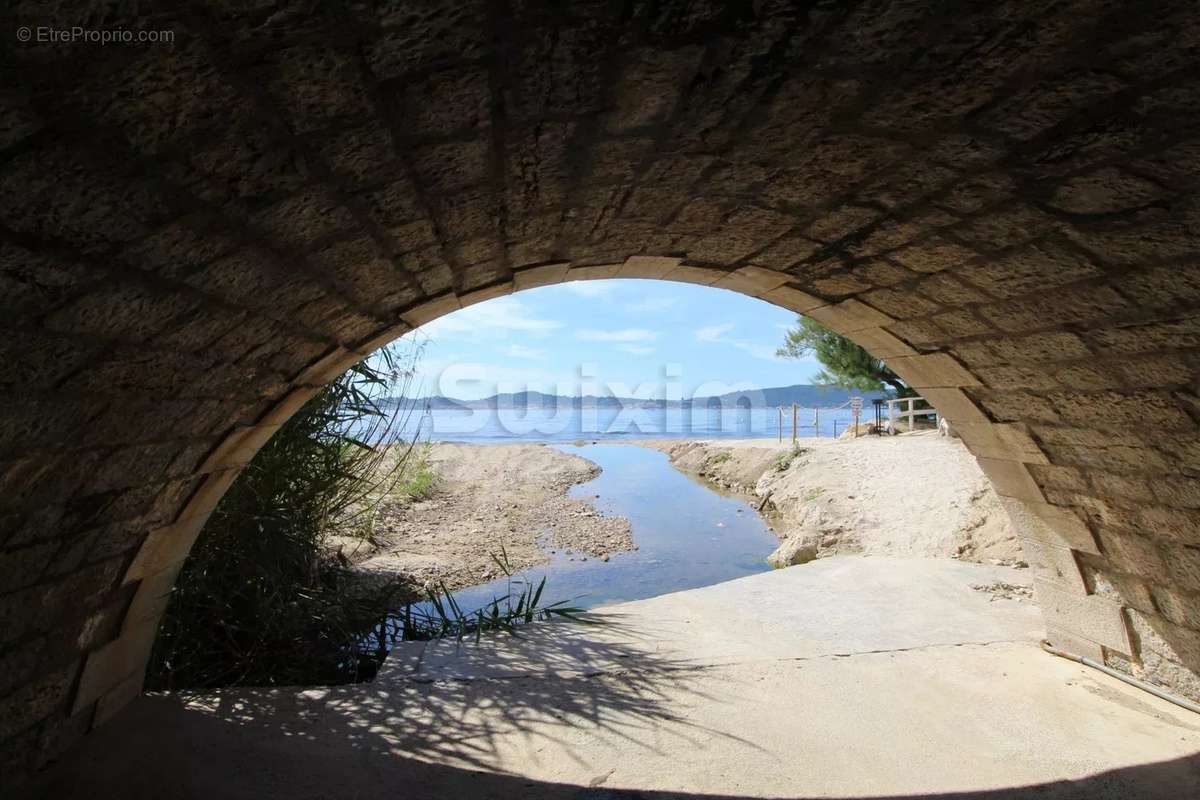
<point x="932" y="371"/>
<point x="849" y="316"/>
<point x="1095" y="618"/>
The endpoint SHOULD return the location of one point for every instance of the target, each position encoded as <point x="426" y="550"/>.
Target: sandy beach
<point x="916" y="494"/>
<point x="489" y="498"/>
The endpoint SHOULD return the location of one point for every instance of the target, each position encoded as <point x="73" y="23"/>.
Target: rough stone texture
<point x="1001" y="195"/>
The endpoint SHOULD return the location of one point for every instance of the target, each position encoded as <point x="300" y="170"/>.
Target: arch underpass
<point x="999" y="199"/>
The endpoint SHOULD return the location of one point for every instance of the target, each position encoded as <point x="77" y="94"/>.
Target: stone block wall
<point x="999" y="198"/>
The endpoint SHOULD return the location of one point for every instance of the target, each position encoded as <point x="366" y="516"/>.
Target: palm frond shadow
<point x="578" y="683"/>
<point x="447" y="739"/>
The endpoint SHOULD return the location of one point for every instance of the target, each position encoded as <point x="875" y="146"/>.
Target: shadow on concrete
<point x="230" y="747"/>
<point x="359" y="740"/>
<point x="414" y="738"/>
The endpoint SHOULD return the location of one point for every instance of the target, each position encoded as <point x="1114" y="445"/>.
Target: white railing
<point x="902" y="409"/>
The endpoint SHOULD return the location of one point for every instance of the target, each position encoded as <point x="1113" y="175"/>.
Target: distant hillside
<point x="802" y="394"/>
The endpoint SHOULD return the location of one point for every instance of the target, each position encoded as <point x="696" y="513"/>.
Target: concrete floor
<point x="848" y="677"/>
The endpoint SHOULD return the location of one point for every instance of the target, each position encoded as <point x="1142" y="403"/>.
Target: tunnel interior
<point x="999" y="199"/>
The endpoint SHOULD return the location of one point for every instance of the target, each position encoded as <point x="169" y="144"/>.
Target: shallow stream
<point x="687" y="534"/>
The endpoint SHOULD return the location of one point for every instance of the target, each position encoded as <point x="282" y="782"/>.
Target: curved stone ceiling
<point x="999" y="198"/>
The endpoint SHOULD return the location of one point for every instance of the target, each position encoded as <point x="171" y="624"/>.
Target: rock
<point x="604" y="556"/>
<point x="863" y="429"/>
<point x="799" y="548"/>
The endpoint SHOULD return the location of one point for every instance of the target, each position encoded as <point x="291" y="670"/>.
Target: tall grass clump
<point x="785" y="460"/>
<point x="441" y="616"/>
<point x="262" y="600"/>
<point x="419" y="481"/>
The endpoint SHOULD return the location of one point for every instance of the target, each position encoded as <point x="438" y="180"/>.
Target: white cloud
<point x="717" y="334"/>
<point x="763" y="351"/>
<point x="521" y="351"/>
<point x="636" y="349"/>
<point x="651" y="305"/>
<point x="485" y="321"/>
<point x="588" y="288"/>
<point x="623" y="335"/>
<point x="714" y="333"/>
<point x="471" y="380"/>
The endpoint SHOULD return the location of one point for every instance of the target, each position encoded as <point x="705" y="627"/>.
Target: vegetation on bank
<point x="262" y="600"/>
<point x="442" y="617"/>
<point x="420" y="480"/>
<point x="265" y="600"/>
<point x="784" y="460"/>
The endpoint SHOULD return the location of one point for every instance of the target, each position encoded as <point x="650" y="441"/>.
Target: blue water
<point x="599" y="424"/>
<point x="687" y="535"/>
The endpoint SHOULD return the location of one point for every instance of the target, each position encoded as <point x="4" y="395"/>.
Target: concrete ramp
<point x="835" y="606"/>
<point x="847" y="678"/>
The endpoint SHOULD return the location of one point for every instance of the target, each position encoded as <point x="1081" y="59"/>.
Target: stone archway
<point x="999" y="201"/>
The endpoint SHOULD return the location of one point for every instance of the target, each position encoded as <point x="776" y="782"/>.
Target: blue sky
<point x="629" y="337"/>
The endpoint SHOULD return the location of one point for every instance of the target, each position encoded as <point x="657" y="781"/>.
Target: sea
<point x="500" y="425"/>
